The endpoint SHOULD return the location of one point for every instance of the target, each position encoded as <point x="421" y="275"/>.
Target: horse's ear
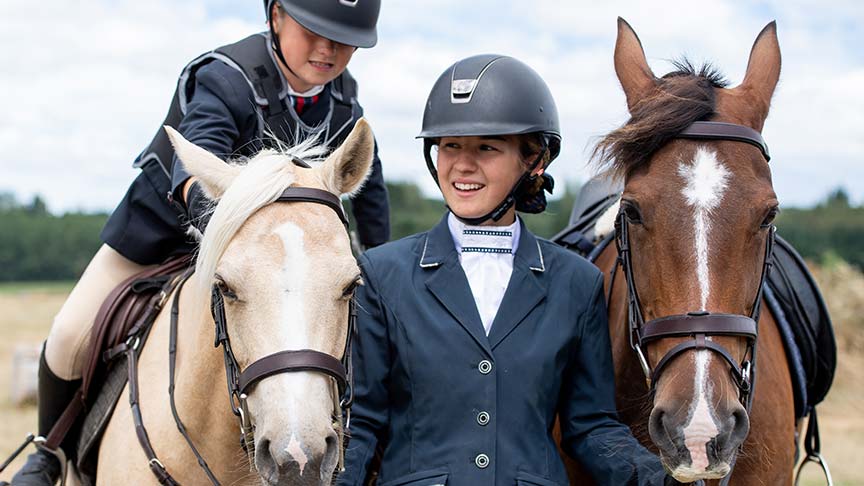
<point x="212" y="172"/>
<point x="631" y="66"/>
<point x="347" y="168"/>
<point x="763" y="72"/>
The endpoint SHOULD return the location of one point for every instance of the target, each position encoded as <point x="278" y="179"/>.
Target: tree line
<point x="38" y="245"/>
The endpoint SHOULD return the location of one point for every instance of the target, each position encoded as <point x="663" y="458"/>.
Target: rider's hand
<point x="198" y="206"/>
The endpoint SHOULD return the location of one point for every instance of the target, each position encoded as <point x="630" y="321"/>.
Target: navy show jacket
<point x="452" y="406"/>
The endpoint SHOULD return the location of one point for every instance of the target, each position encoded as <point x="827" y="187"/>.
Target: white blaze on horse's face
<point x="705" y="181"/>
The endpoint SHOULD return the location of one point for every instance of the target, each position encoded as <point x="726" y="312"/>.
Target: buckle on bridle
<point x="745" y="376"/>
<point x="133" y="342"/>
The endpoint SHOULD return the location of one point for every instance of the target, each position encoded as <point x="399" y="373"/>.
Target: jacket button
<point x="481" y="461"/>
<point x="485" y="366"/>
<point x="483" y="418"/>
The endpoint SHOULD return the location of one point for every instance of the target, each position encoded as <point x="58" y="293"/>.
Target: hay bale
<point x="25" y="374"/>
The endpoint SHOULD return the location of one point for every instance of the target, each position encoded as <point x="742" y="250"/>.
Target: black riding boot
<point x="42" y="468"/>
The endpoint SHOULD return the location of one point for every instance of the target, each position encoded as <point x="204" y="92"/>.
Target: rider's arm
<point x="219" y="114"/>
<point x="590" y="430"/>
<point x="371" y="206"/>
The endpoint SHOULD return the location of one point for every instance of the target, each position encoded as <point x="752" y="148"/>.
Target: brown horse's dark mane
<point x="682" y="97"/>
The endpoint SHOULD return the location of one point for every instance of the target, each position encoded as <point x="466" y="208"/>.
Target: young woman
<point x="473" y="336"/>
<point x="291" y="83"/>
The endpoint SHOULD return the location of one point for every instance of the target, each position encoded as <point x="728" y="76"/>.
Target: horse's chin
<point x="686" y="474"/>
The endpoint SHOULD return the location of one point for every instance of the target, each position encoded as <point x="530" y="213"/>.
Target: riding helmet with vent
<point x="491" y="94"/>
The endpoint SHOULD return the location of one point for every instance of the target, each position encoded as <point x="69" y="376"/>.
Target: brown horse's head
<point x="698" y="215"/>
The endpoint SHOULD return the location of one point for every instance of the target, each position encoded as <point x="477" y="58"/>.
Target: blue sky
<point x="86" y="84"/>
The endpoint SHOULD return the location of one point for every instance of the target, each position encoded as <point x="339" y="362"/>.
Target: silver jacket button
<point x="481" y="461"/>
<point x="485" y="367"/>
<point x="483" y="418"/>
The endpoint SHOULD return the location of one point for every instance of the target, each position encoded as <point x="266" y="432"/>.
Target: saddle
<point x="595" y="198"/>
<point x="129" y="310"/>
<point x="791" y="294"/>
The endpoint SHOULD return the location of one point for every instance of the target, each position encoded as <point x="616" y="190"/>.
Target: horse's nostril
<point x="264" y="461"/>
<point x="661" y="430"/>
<point x="741" y="426"/>
<point x="331" y="457"/>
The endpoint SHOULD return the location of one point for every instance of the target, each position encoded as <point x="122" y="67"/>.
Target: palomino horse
<point x="695" y="221"/>
<point x="286" y="274"/>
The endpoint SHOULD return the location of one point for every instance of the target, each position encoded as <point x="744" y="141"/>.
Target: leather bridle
<point x="240" y="380"/>
<point x="700" y="325"/>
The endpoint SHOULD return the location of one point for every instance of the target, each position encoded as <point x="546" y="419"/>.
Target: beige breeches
<point x="69" y="339"/>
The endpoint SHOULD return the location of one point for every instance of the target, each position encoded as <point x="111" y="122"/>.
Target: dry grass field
<point x="26" y="311"/>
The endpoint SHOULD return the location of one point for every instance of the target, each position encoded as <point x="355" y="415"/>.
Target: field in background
<point x="26" y="311"/>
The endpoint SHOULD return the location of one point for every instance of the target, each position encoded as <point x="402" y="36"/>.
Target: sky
<point x="85" y="85"/>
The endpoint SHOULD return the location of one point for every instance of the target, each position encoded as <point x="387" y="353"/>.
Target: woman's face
<point x="476" y="174"/>
<point x="314" y="60"/>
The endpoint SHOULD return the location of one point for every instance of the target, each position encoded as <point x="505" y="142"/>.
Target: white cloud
<point x="84" y="87"/>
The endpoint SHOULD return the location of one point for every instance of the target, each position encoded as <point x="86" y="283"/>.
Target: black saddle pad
<point x="801" y="303"/>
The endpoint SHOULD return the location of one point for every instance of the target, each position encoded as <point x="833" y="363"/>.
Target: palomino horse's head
<point x="698" y="214"/>
<point x="287" y="274"/>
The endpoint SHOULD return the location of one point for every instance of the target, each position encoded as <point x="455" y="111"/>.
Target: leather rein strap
<point x="239" y="382"/>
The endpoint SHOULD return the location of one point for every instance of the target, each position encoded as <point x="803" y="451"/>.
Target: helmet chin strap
<point x="501" y="209"/>
<point x="277" y="48"/>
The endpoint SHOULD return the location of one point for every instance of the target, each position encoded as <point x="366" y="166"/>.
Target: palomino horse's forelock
<point x="261" y="182"/>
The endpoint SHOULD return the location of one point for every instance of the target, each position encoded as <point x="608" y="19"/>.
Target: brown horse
<point x="698" y="214"/>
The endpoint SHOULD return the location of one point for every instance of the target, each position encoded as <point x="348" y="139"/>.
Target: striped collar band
<point x="484" y="239"/>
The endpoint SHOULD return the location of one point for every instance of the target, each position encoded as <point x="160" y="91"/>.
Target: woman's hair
<point x="530" y="145"/>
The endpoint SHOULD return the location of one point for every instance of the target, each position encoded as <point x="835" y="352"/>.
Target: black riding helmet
<point x="349" y="22"/>
<point x="492" y="94"/>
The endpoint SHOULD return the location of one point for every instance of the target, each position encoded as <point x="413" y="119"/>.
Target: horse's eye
<point x="631" y="211"/>
<point x="348" y="292"/>
<point x="226" y="291"/>
<point x="769" y="218"/>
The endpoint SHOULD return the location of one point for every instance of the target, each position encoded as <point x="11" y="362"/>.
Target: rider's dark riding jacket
<point x="228" y="101"/>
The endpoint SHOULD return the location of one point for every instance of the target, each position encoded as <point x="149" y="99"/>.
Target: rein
<point x="239" y="381"/>
<point x="699" y="325"/>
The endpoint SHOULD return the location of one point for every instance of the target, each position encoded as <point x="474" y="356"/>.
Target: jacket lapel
<point x="525" y="290"/>
<point x="448" y="283"/>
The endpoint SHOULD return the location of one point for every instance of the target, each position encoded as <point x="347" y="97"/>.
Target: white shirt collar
<point x="486" y="255"/>
<point x="314" y="90"/>
<point x="491" y="238"/>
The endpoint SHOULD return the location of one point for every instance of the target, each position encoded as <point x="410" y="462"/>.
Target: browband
<point x="708" y="130"/>
<point x="308" y="194"/>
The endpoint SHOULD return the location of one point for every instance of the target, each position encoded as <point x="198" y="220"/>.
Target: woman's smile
<point x="467" y="189"/>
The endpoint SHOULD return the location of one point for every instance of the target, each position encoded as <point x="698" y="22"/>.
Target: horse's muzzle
<point x="697" y="454"/>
